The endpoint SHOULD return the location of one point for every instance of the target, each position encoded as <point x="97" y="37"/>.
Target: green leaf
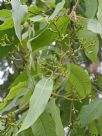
<point x="5" y="14"/>
<point x="37" y="18"/>
<point x="28" y="132"/>
<point x="55" y="113"/>
<point x="14" y="91"/>
<point x="91" y="8"/>
<point x="93" y="131"/>
<point x="50" y="34"/>
<point x="44" y="126"/>
<point x="80" y="83"/>
<point x="8" y="40"/>
<point x="59" y="6"/>
<point x="7" y="24"/>
<point x="99" y="12"/>
<point x="99" y="125"/>
<point x="95" y="26"/>
<point x="38" y="102"/>
<point x="88" y="40"/>
<point x="18" y="13"/>
<point x="90" y="112"/>
<point x="20" y="78"/>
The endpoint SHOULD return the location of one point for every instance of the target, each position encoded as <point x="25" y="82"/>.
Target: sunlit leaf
<point x="38" y="102"/>
<point x="18" y="13"/>
<point x="95" y="26"/>
<point x="59" y="6"/>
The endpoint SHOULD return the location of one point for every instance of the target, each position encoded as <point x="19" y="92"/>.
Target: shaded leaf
<point x="14" y="91"/>
<point x="94" y="26"/>
<point x="55" y="113"/>
<point x="80" y="83"/>
<point x="44" y="126"/>
<point x="100" y="125"/>
<point x="91" y="8"/>
<point x="90" y="112"/>
<point x="49" y="34"/>
<point x="88" y="40"/>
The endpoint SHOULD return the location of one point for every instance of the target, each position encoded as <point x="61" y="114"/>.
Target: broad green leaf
<point x="14" y="91"/>
<point x="5" y="14"/>
<point x="38" y="102"/>
<point x="90" y="112"/>
<point x="16" y="101"/>
<point x="91" y="8"/>
<point x="77" y="130"/>
<point x="99" y="13"/>
<point x="59" y="6"/>
<point x="33" y="10"/>
<point x="18" y="13"/>
<point x="88" y="40"/>
<point x="55" y="113"/>
<point x="44" y="126"/>
<point x="95" y="26"/>
<point x="11" y="105"/>
<point x="28" y="132"/>
<point x="80" y="81"/>
<point x="7" y="24"/>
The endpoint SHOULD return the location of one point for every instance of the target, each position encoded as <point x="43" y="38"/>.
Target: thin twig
<point x="63" y="97"/>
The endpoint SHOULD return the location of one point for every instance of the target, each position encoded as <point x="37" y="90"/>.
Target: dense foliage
<point x="54" y="47"/>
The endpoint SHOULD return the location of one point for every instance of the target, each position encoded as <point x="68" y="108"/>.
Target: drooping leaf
<point x="59" y="6"/>
<point x="55" y="113"/>
<point x="90" y="112"/>
<point x="95" y="26"/>
<point x="88" y="40"/>
<point x="14" y="91"/>
<point x="18" y="13"/>
<point x="90" y="8"/>
<point x="44" y="126"/>
<point x="80" y="81"/>
<point x="38" y="102"/>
